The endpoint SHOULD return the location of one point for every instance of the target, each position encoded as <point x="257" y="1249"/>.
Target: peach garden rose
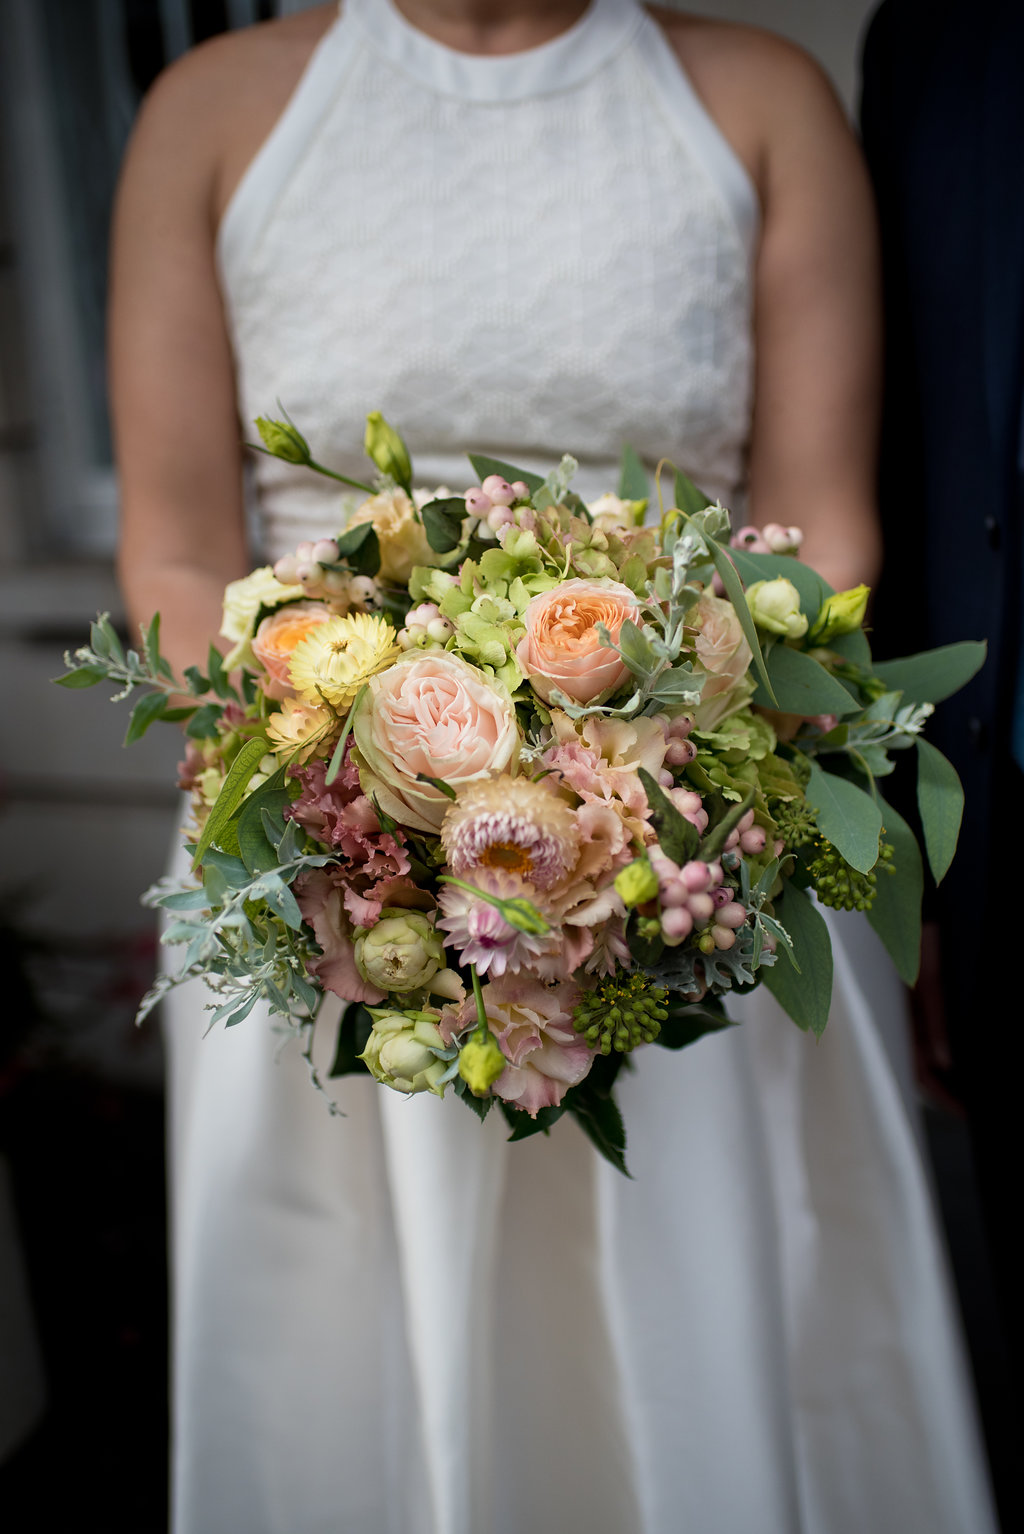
<point x="562" y="647"/>
<point x="432" y="713"/>
<point x="276" y="638"/>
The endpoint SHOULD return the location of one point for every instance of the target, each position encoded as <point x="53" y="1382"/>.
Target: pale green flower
<point x="402" y="952"/>
<point x="401" y="1051"/>
<point x="775" y="607"/>
<point x="841" y="613"/>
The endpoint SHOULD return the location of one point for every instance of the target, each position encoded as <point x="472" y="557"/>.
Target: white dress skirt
<point x="388" y="1320"/>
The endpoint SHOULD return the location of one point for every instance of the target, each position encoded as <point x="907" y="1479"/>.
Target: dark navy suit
<point x="943" y="129"/>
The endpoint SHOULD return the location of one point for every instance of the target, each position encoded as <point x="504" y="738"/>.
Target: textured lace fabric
<point x="529" y="255"/>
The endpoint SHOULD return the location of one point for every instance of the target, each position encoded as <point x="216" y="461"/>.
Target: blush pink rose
<point x="562" y="648"/>
<point x="721" y="647"/>
<point x="276" y="638"/>
<point x="431" y="713"/>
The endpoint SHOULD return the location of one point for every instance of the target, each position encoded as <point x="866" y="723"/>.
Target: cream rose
<point x="562" y="648"/>
<point x="721" y="647"/>
<point x="432" y="713"/>
<point x="402" y="536"/>
<point x="276" y="638"/>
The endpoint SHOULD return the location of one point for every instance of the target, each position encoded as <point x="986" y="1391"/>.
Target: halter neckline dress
<point x="393" y="1322"/>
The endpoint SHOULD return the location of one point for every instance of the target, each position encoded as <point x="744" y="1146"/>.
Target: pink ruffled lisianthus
<point x="533" y="1025"/>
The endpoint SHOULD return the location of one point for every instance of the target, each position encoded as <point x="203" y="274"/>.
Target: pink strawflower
<point x="479" y="932"/>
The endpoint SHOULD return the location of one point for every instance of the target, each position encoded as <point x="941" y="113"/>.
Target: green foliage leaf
<point x="847" y="817"/>
<point x="353" y="1031"/>
<point x="231" y="795"/>
<point x="853" y="647"/>
<point x="940" y="799"/>
<point x="359" y="548"/>
<point x="934" y="674"/>
<point x="689" y="1021"/>
<point x="633" y="482"/>
<point x="678" y="838"/>
<point x="734" y="591"/>
<point x="203" y="723"/>
<point x="523" y="1126"/>
<point x="442" y="523"/>
<point x="146" y="712"/>
<point x="802" y="685"/>
<point x="635" y="649"/>
<point x="599" y="1118"/>
<point x="81" y="676"/>
<point x="482" y="466"/>
<point x="688" y="498"/>
<point x="219" y="679"/>
<point x="895" y="912"/>
<point x="715" y="840"/>
<point x="438" y="783"/>
<point x="805" y="995"/>
<point x="258" y="853"/>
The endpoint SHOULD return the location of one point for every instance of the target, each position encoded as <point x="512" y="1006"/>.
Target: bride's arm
<point x="817" y="293"/>
<point x="172" y="383"/>
<point x="171" y="375"/>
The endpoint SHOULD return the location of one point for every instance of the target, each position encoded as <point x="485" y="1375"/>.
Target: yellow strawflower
<point x="339" y="656"/>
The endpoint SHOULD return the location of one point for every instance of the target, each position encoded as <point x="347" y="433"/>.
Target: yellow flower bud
<point x="481" y="1062"/>
<point x="283" y="440"/>
<point x="387" y="450"/>
<point x="637" y="882"/>
<point x="841" y="613"/>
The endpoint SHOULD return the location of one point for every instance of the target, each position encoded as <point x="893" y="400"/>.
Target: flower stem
<point x="339" y="750"/>
<point x="482" y="1030"/>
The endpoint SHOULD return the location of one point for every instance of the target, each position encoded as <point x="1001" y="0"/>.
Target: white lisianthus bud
<point x="775" y="607"/>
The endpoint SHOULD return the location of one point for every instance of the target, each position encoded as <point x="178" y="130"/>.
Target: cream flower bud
<point x="401" y="953"/>
<point x="775" y="607"/>
<point x="401" y="1051"/>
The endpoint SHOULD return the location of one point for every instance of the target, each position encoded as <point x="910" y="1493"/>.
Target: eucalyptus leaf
<point x="734" y="591"/>
<point x="895" y="912"/>
<point x="679" y="840"/>
<point x="633" y="482"/>
<point x="940" y="800"/>
<point x="442" y="522"/>
<point x="847" y="817"/>
<point x="801" y="685"/>
<point x="688" y="498"/>
<point x="482" y="466"/>
<point x="805" y="994"/>
<point x="933" y="674"/>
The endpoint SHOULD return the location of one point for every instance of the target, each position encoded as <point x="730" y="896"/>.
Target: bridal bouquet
<point x="529" y="784"/>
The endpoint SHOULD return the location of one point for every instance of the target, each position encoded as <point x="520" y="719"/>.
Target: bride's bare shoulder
<point x="207" y="113"/>
<point x="759" y="87"/>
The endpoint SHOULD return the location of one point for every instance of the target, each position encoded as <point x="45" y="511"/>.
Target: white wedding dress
<point x="393" y="1322"/>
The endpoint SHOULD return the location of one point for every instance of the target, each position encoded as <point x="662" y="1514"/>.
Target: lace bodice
<point x="525" y="255"/>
